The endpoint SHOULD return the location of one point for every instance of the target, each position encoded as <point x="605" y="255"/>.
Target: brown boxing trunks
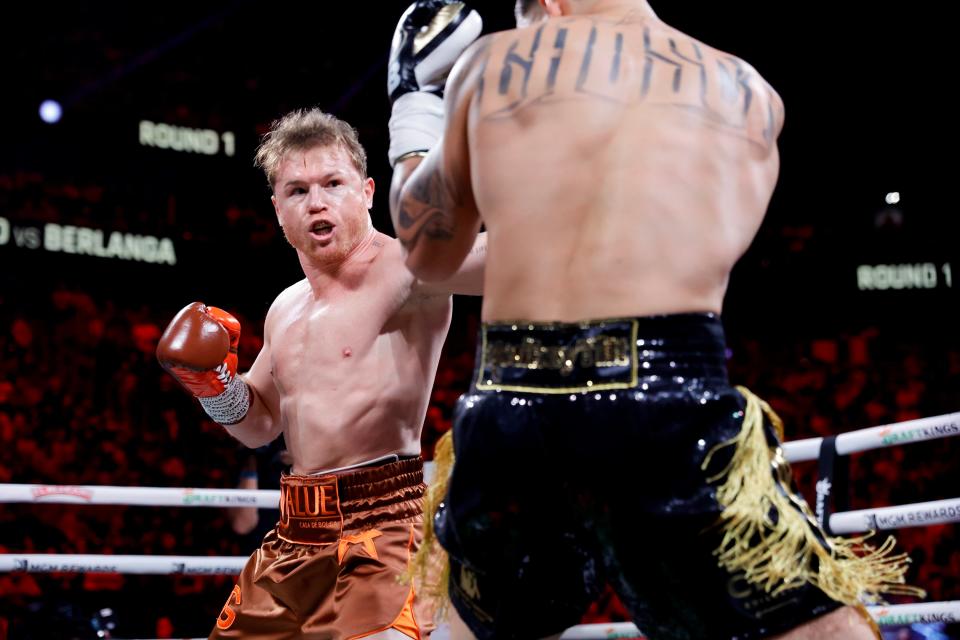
<point x="332" y="566"/>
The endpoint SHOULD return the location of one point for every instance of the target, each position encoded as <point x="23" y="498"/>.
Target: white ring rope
<point x="908" y="515"/>
<point x="145" y="565"/>
<point x="921" y="612"/>
<point x="887" y="435"/>
<point x="942" y="426"/>
<point x="911" y="515"/>
<point x="889" y="616"/>
<point x="915" y="515"/>
<point x="921" y="514"/>
<point x="139" y="496"/>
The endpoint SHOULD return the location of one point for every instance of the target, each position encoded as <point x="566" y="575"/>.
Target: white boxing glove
<point x="429" y="38"/>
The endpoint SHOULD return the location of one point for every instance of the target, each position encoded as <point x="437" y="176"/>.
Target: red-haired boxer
<point x="345" y="374"/>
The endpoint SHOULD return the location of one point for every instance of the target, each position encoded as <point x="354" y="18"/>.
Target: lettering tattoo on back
<point x="607" y="63"/>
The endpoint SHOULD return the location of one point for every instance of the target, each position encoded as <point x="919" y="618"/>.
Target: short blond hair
<point x="305" y="129"/>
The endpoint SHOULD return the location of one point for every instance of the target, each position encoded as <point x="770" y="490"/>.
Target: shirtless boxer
<point x="621" y="168"/>
<point x="345" y="374"/>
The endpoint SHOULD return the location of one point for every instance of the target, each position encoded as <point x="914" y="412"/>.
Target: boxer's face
<point x="322" y="203"/>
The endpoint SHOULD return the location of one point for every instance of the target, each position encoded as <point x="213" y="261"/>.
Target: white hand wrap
<point x="231" y="406"/>
<point x="416" y="124"/>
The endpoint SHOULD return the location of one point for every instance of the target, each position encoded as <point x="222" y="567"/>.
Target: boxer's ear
<point x="554" y="8"/>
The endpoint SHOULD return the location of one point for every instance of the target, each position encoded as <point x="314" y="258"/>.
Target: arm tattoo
<point x="425" y="206"/>
<point x="425" y="210"/>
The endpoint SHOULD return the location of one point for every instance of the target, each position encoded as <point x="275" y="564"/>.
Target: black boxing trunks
<point x="608" y="451"/>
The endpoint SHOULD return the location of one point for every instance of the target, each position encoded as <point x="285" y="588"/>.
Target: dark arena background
<point x="143" y="197"/>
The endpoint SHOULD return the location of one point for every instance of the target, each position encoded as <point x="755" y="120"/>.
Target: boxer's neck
<point x="322" y="275"/>
<point x="625" y="10"/>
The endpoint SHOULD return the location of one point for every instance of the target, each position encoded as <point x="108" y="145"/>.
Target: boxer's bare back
<point x="644" y="160"/>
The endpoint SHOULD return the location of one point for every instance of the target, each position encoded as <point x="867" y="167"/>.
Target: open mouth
<point x="321" y="229"/>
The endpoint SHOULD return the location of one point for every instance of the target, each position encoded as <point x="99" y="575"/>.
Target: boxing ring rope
<point x="888" y="435"/>
<point x="139" y="496"/>
<point x="137" y="564"/>
<point x="888" y="616"/>
<point x="923" y="612"/>
<point x="919" y="514"/>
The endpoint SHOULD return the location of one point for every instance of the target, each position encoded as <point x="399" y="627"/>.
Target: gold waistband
<point x="604" y="360"/>
<point x="599" y="351"/>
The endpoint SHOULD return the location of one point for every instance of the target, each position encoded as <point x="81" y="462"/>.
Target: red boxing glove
<point x="199" y="348"/>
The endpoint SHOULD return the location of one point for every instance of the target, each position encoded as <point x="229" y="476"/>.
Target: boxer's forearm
<point x="434" y="224"/>
<point x="401" y="173"/>
<point x="244" y="519"/>
<point x="260" y="425"/>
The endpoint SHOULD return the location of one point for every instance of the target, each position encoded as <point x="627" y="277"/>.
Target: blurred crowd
<point x="84" y="402"/>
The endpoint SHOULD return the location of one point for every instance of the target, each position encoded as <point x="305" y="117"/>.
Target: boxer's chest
<point x="333" y="339"/>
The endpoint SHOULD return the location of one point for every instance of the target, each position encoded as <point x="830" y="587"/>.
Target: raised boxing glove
<point x="199" y="349"/>
<point x="429" y="37"/>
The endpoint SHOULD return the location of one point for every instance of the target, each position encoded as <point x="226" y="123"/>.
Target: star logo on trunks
<point x="365" y="538"/>
<point x="468" y="583"/>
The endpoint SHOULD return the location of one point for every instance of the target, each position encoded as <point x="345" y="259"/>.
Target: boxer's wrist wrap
<point x="230" y="407"/>
<point x="412" y="154"/>
<point x="416" y="124"/>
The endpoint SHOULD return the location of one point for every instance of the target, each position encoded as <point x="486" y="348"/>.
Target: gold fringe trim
<point x="430" y="567"/>
<point x="771" y="536"/>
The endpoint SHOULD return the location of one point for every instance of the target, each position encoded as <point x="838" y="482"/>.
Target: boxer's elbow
<point x="249" y="434"/>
